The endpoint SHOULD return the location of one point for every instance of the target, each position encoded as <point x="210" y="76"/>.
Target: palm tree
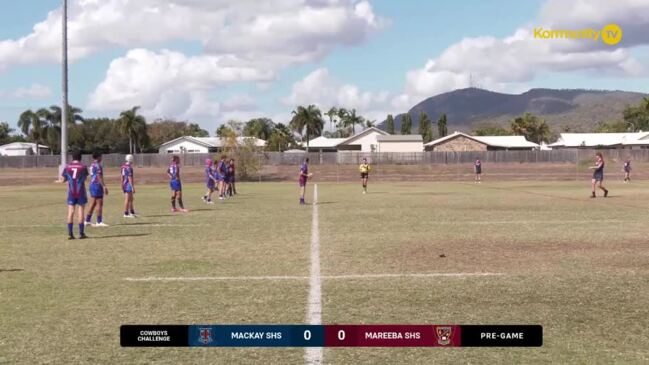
<point x="351" y="119"/>
<point x="32" y="126"/>
<point x="52" y="125"/>
<point x="332" y="113"/>
<point x="342" y="114"/>
<point x="309" y="119"/>
<point x="133" y="125"/>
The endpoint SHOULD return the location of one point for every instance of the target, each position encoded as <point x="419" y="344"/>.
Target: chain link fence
<point x="564" y="164"/>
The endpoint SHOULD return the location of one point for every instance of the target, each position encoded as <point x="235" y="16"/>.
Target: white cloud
<point x="34" y="91"/>
<point x="169" y="84"/>
<point x="276" y="32"/>
<point x="324" y="90"/>
<point x="511" y="63"/>
<point x="243" y="41"/>
<point x="241" y="102"/>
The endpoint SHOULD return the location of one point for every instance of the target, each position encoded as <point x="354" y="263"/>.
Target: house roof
<point x="494" y="141"/>
<point x="22" y="146"/>
<point x="507" y="141"/>
<point x="213" y="142"/>
<point x="324" y="142"/>
<point x="363" y="133"/>
<point x="400" y="138"/>
<point x="601" y="139"/>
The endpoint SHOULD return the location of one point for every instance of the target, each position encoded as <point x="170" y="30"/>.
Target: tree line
<point x="635" y="118"/>
<point x="131" y="133"/>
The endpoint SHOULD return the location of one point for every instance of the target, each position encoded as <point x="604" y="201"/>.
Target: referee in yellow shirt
<point x="364" y="168"/>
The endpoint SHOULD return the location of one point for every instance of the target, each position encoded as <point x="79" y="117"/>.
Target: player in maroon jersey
<point x="75" y="174"/>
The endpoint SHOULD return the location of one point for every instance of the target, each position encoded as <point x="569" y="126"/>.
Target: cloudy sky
<point x="209" y="61"/>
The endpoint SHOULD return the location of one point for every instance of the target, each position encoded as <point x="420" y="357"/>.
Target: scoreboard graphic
<point x="371" y="335"/>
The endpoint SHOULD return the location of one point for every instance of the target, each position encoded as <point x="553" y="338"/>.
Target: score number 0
<point x="307" y="335"/>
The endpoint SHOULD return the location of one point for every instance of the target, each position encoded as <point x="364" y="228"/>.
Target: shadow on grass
<point x="11" y="270"/>
<point x="121" y="236"/>
<point x="321" y="203"/>
<point x="135" y="224"/>
<point x="423" y="193"/>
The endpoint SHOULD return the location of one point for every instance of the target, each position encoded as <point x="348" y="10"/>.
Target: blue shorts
<point x="128" y="188"/>
<point x="175" y="185"/>
<point x="218" y="177"/>
<point x="81" y="200"/>
<point x="96" y="191"/>
<point x="598" y="177"/>
<point x="210" y="184"/>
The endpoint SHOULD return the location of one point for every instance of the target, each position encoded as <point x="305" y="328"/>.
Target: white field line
<point x="456" y="222"/>
<point x="322" y="277"/>
<point x="314" y="355"/>
<point x="218" y="278"/>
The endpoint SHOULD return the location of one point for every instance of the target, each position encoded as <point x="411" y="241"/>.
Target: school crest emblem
<point x="444" y="334"/>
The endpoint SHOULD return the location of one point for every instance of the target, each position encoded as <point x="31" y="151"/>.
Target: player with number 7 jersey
<point x="75" y="174"/>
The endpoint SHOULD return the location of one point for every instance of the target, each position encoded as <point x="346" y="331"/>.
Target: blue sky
<point x="378" y="57"/>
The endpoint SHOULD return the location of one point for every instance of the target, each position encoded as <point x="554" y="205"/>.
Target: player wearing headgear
<point x="128" y="187"/>
<point x="627" y="170"/>
<point x="97" y="190"/>
<point x="173" y="172"/>
<point x="75" y="174"/>
<point x="364" y="168"/>
<point x="598" y="174"/>
<point x="210" y="181"/>
<point x="221" y="170"/>
<point x="303" y="177"/>
<point x="477" y="168"/>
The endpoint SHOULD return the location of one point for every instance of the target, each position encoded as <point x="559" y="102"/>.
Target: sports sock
<point x="180" y="203"/>
<point x="81" y="227"/>
<point x="70" y="225"/>
<point x="173" y="202"/>
<point x="88" y="217"/>
<point x="99" y="219"/>
<point x="126" y="212"/>
<point x="132" y="211"/>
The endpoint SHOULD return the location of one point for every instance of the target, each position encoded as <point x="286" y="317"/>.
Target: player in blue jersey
<point x="97" y="191"/>
<point x="128" y="187"/>
<point x="75" y="174"/>
<point x="303" y="178"/>
<point x="627" y="170"/>
<point x="598" y="175"/>
<point x="477" y="168"/>
<point x="173" y="172"/>
<point x="210" y="181"/>
<point x="221" y="170"/>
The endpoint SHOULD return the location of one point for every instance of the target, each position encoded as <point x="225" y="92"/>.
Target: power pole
<point x="64" y="107"/>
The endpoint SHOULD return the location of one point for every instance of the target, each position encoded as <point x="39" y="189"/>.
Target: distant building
<point x="187" y="144"/>
<point x="462" y="142"/>
<point x="324" y="144"/>
<point x="400" y="143"/>
<point x="633" y="140"/>
<point x="23" y="149"/>
<point x="364" y="141"/>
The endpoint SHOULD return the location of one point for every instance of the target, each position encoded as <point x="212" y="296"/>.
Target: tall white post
<point x="64" y="107"/>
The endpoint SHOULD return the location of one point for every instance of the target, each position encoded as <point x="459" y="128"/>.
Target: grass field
<point x="577" y="266"/>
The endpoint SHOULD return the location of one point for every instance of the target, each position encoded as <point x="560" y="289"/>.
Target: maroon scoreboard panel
<point x="331" y="335"/>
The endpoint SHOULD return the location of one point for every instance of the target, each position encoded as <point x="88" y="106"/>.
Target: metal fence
<point x="351" y="158"/>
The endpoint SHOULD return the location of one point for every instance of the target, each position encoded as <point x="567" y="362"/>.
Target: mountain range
<point x="575" y="110"/>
